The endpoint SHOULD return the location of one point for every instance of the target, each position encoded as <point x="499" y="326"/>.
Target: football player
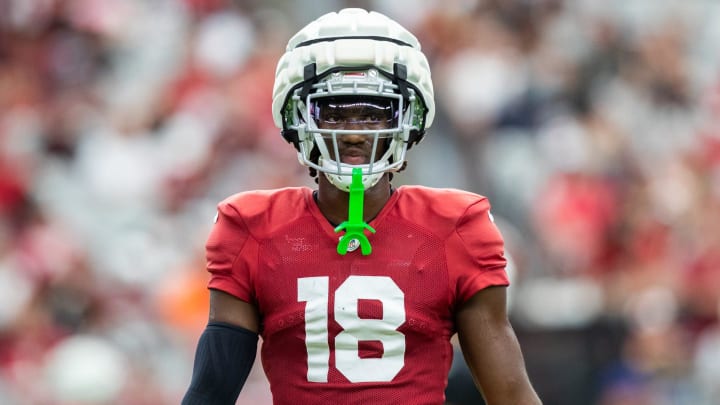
<point x="357" y="287"/>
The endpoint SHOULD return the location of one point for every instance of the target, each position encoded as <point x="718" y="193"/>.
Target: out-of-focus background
<point x="593" y="126"/>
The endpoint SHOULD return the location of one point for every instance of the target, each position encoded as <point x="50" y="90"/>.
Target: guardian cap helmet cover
<point x="353" y="57"/>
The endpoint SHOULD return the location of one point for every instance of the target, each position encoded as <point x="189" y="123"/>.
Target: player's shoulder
<point x="450" y="200"/>
<point x="441" y="210"/>
<point x="278" y="205"/>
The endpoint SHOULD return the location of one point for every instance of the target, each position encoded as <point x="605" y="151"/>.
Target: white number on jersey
<point x="315" y="292"/>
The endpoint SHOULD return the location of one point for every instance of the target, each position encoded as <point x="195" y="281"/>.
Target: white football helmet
<point x="358" y="55"/>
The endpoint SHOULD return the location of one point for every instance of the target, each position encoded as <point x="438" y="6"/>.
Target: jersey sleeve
<point x="229" y="254"/>
<point x="476" y="253"/>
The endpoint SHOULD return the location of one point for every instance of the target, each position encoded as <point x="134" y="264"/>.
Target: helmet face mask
<point x="356" y="103"/>
<point x="343" y="77"/>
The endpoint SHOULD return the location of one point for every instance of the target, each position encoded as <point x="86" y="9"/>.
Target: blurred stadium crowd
<point x="593" y="126"/>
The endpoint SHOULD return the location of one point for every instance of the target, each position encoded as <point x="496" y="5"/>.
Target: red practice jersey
<point x="356" y="329"/>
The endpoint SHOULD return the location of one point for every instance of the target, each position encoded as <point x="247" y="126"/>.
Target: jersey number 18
<point x="315" y="292"/>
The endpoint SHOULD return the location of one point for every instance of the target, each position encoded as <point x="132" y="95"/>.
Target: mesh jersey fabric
<point x="356" y="329"/>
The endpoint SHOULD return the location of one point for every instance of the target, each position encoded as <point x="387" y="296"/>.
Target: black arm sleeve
<point x="223" y="359"/>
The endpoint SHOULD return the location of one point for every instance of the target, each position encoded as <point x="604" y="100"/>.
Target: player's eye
<point x="333" y="119"/>
<point x="372" y="119"/>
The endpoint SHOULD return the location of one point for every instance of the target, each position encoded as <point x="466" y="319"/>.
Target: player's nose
<point x="354" y="139"/>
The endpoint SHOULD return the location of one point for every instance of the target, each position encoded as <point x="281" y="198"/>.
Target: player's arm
<point x="492" y="351"/>
<point x="225" y="352"/>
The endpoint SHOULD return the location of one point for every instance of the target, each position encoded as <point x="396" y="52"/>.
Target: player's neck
<point x="333" y="203"/>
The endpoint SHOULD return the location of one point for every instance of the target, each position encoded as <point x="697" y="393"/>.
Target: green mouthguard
<point x="355" y="226"/>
